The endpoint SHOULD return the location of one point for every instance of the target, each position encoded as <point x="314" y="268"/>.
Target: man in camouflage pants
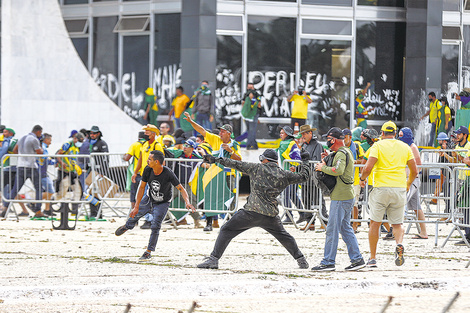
<point x="267" y="181"/>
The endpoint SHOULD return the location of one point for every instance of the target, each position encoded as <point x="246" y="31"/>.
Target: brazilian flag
<point x="217" y="195"/>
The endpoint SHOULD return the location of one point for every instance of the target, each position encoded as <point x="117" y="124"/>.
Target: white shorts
<point x="390" y="200"/>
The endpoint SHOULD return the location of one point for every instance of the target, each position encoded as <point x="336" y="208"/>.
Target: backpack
<point x="325" y="182"/>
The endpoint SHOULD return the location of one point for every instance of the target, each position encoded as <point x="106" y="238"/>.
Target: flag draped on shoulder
<point x="217" y="195"/>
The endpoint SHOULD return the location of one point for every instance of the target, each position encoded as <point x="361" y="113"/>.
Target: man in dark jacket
<point x="98" y="145"/>
<point x="203" y="106"/>
<point x="267" y="181"/>
<point x="310" y="194"/>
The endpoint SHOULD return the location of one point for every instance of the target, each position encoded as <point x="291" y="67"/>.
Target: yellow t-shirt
<point x="441" y="119"/>
<point x="145" y="152"/>
<point x="433" y="109"/>
<point x="463" y="174"/>
<point x="179" y="103"/>
<point x="392" y="156"/>
<point x="300" y="106"/>
<point x="216" y="142"/>
<point x="134" y="151"/>
<point x="357" y="178"/>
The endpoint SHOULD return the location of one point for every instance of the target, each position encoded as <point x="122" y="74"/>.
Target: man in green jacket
<point x="342" y="201"/>
<point x="250" y="113"/>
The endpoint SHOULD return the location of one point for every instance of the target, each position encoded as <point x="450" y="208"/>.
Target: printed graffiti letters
<point x="281" y="79"/>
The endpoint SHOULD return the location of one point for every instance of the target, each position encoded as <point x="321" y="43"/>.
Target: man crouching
<point x="267" y="181"/>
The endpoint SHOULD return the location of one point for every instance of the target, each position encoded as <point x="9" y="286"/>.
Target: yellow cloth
<point x="145" y="152"/>
<point x="299" y="109"/>
<point x="433" y="108"/>
<point x="357" y="179"/>
<point x="160" y="139"/>
<point x="463" y="174"/>
<point x="442" y="119"/>
<point x="134" y="151"/>
<point x="1" y="137"/>
<point x="392" y="156"/>
<point x="179" y="103"/>
<point x="216" y="143"/>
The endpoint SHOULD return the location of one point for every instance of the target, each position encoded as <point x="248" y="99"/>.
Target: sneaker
<point x="383" y="230"/>
<point x="399" y="258"/>
<point x="121" y="230"/>
<point x="324" y="268"/>
<point x="372" y="263"/>
<point x="302" y="262"/>
<point x="23" y="214"/>
<point x="208" y="228"/>
<point x="462" y="242"/>
<point x="356" y="265"/>
<point x="210" y="262"/>
<point x="389" y="236"/>
<point x="145" y="257"/>
<point x="146" y="225"/>
<point x="46" y="212"/>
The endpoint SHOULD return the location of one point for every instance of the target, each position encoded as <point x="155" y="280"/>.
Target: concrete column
<point x="423" y="55"/>
<point x="198" y="43"/>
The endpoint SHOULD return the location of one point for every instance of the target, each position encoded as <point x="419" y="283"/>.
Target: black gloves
<point x="209" y="159"/>
<point x="304" y="156"/>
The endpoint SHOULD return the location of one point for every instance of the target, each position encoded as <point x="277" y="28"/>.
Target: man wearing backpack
<point x="342" y="201"/>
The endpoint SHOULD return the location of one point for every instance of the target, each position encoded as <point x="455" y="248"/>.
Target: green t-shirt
<point x="342" y="191"/>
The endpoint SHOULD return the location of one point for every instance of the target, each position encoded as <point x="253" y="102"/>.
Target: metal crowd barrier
<point x="461" y="208"/>
<point x="36" y="180"/>
<point x="212" y="189"/>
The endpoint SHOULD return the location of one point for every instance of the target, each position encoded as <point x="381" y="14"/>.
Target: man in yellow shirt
<point x="134" y="152"/>
<point x="150" y="132"/>
<point x="300" y="106"/>
<point x="223" y="146"/>
<point x="178" y="105"/>
<point x="389" y="158"/>
<point x="164" y="131"/>
<point x="434" y="107"/>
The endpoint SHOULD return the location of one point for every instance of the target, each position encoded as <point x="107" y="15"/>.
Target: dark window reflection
<point x="466" y="57"/>
<point x="326" y="27"/>
<point x="325" y="73"/>
<point x="105" y="56"/>
<point x="75" y="1"/>
<point x="228" y="77"/>
<point x="166" y="75"/>
<point x="278" y="0"/>
<point x="328" y="2"/>
<point x="81" y="45"/>
<point x="271" y="64"/>
<point x="379" y="60"/>
<point x="135" y="79"/>
<point x="450" y="67"/>
<point x="385" y="3"/>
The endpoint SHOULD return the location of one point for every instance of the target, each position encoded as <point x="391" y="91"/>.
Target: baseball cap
<point x="11" y="131"/>
<point x="227" y="127"/>
<point x="389" y="127"/>
<point x="462" y="130"/>
<point x="72" y="133"/>
<point x="347" y="132"/>
<point x="269" y="154"/>
<point x="190" y="144"/>
<point x="335" y="132"/>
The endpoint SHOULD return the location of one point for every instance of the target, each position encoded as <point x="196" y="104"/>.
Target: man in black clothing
<point x="267" y="181"/>
<point x="156" y="202"/>
<point x="310" y="194"/>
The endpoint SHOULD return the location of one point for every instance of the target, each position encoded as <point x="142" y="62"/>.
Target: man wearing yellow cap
<point x="389" y="158"/>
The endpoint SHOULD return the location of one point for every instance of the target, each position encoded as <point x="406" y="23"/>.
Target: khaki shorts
<point x="387" y="200"/>
<point x="357" y="192"/>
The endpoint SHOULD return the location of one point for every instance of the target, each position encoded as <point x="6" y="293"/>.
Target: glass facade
<point x="277" y="52"/>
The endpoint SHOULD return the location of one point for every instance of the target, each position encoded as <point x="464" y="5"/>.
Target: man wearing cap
<point x="358" y="154"/>
<point x="311" y="194"/>
<point x="150" y="132"/>
<point x="342" y="201"/>
<point x="267" y="181"/>
<point x="464" y="176"/>
<point x="98" y="145"/>
<point x="289" y="150"/>
<point x="164" y="132"/>
<point x="434" y="107"/>
<point x="389" y="158"/>
<point x="134" y="153"/>
<point x="300" y="106"/>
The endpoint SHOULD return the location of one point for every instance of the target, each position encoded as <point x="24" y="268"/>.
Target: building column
<point x="423" y="59"/>
<point x="198" y="43"/>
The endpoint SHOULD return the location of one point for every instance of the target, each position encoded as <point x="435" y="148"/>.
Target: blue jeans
<point x="252" y="127"/>
<point x="22" y="174"/>
<point x="339" y="222"/>
<point x="177" y="122"/>
<point x="158" y="212"/>
<point x="432" y="135"/>
<point x="203" y="120"/>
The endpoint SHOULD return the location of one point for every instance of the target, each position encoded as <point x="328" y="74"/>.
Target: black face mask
<point x="329" y="143"/>
<point x="146" y="137"/>
<point x="430" y="100"/>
